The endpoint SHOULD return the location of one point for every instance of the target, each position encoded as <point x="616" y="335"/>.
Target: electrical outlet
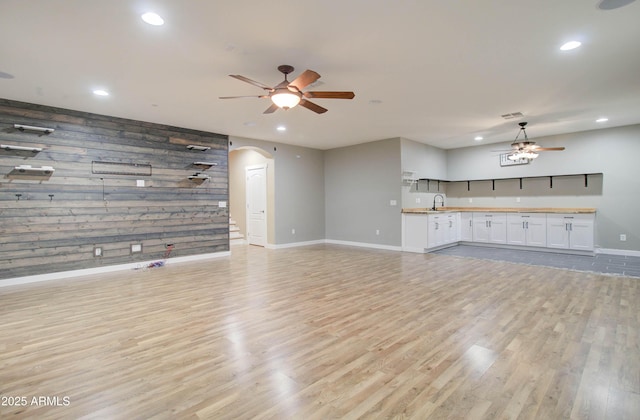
<point x="471" y="200"/>
<point x="623" y="237"/>
<point x="293" y="231"/>
<point x="377" y="231"/>
<point x="393" y="202"/>
<point x="97" y="251"/>
<point x="417" y="200"/>
<point x="135" y="248"/>
<point x="517" y="199"/>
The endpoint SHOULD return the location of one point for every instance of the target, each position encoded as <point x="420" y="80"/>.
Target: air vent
<point x="512" y="115"/>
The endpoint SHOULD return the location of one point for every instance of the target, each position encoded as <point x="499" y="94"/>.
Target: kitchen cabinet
<point x="442" y="229"/>
<point x="528" y="229"/>
<point x="490" y="228"/>
<point x="414" y="237"/>
<point x="466" y="227"/>
<point x="571" y="231"/>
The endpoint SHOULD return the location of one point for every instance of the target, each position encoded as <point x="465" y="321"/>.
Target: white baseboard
<point x="295" y="244"/>
<point x="624" y="252"/>
<point x="365" y="245"/>
<point x="106" y="269"/>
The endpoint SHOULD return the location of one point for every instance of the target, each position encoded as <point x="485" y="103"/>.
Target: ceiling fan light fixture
<point x="523" y="155"/>
<point x="285" y="99"/>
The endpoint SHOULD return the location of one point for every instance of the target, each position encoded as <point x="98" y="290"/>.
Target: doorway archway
<point x="239" y="159"/>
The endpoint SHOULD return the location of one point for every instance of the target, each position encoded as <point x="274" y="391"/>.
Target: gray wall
<point x="427" y="162"/>
<point x="616" y="194"/>
<point x="360" y="182"/>
<point x="298" y="194"/>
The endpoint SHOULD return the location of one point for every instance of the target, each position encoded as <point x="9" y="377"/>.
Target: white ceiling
<point x="437" y="72"/>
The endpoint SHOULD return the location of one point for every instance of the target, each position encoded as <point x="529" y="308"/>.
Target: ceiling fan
<point x="526" y="149"/>
<point x="287" y="94"/>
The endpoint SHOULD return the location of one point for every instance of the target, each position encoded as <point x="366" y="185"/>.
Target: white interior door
<point x="257" y="204"/>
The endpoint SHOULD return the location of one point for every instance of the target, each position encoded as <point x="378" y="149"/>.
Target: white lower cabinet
<point x="490" y="228"/>
<point x="571" y="231"/>
<point x="528" y="229"/>
<point x="422" y="232"/>
<point x="442" y="229"/>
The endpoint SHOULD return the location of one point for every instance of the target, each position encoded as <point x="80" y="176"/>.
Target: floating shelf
<point x="205" y="164"/>
<point x="199" y="177"/>
<point x="520" y="178"/>
<point x="198" y="148"/>
<point x="45" y="170"/>
<point x="119" y="168"/>
<point x="41" y="130"/>
<point x="9" y="147"/>
<point x="409" y="176"/>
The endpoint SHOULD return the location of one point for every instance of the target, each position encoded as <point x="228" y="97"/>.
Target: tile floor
<point x="601" y="263"/>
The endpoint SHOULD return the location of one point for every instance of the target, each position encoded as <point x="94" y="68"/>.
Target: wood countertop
<point x="571" y="210"/>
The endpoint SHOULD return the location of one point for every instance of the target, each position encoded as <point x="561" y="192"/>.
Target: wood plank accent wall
<point x="52" y="223"/>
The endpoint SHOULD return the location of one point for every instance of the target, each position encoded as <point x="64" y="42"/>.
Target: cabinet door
<point x="536" y="230"/>
<point x="480" y="228"/>
<point x="452" y="228"/>
<point x="581" y="233"/>
<point x="436" y="232"/>
<point x="557" y="232"/>
<point x="466" y="227"/>
<point x="516" y="229"/>
<point x="498" y="228"/>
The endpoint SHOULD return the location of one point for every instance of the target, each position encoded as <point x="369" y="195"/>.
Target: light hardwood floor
<point x="322" y="332"/>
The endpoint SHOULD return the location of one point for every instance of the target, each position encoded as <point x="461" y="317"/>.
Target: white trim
<point x="625" y="252"/>
<point x="106" y="269"/>
<point x="295" y="244"/>
<point x="364" y="245"/>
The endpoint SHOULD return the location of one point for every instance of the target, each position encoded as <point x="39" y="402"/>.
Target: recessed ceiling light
<point x="601" y="120"/>
<point x="571" y="45"/>
<point x="281" y="128"/>
<point x="153" y="19"/>
<point x="100" y="92"/>
<point x="478" y="138"/>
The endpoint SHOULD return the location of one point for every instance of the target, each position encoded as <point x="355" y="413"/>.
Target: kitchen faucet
<point x="434" y="200"/>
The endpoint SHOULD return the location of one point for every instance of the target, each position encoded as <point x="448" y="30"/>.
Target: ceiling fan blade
<point x="305" y="79"/>
<point x="330" y="95"/>
<point x="548" y="149"/>
<point x="235" y="97"/>
<point x="273" y="108"/>
<point x="313" y="107"/>
<point x="251" y="82"/>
